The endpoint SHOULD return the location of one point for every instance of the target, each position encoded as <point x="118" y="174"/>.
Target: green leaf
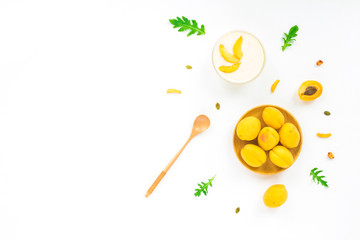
<point x="290" y="37"/>
<point x="314" y="173"/>
<point x="185" y="24"/>
<point x="203" y="188"/>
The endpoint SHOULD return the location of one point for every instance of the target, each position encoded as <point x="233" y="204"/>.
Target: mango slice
<point x="171" y="90"/>
<point x="253" y="155"/>
<point x="229" y="69"/>
<point x="274" y="85"/>
<point x="237" y="48"/>
<point x="281" y="157"/>
<point x="227" y="56"/>
<point x="323" y="135"/>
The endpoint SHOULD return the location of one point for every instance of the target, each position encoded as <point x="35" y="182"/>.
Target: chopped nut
<point x="320" y="62"/>
<point x="330" y="155"/>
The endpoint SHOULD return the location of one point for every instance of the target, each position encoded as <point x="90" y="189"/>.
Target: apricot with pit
<point x="253" y="155"/>
<point x="281" y="157"/>
<point x="268" y="138"/>
<point x="273" y="117"/>
<point x="310" y="90"/>
<point x="248" y="128"/>
<point x="289" y="135"/>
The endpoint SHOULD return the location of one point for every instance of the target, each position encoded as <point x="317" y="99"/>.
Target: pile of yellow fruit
<point x="268" y="139"/>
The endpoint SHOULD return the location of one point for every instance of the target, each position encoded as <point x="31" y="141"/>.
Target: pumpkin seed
<point x="327" y="113"/>
<point x="217" y="105"/>
<point x="188" y="67"/>
<point x="237" y="210"/>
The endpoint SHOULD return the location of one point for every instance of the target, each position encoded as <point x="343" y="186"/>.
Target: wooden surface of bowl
<point x="268" y="168"/>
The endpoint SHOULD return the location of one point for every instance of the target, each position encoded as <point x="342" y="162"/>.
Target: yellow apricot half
<point x="281" y="157"/>
<point x="237" y="48"/>
<point x="310" y="90"/>
<point x="253" y="155"/>
<point x="227" y="56"/>
<point x="229" y="69"/>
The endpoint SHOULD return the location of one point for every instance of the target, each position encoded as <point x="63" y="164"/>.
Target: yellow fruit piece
<point x="237" y="48"/>
<point x="281" y="157"/>
<point x="229" y="69"/>
<point x="253" y="155"/>
<point x="274" y="85"/>
<point x="324" y="135"/>
<point x="227" y="56"/>
<point x="268" y="138"/>
<point x="248" y="128"/>
<point x="310" y="90"/>
<point x="273" y="117"/>
<point x="289" y="135"/>
<point x="275" y="196"/>
<point x="170" y="90"/>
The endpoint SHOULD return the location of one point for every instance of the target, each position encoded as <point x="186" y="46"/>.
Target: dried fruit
<point x="281" y="157"/>
<point x="217" y="105"/>
<point x="248" y="128"/>
<point x="275" y="196"/>
<point x="274" y="85"/>
<point x="188" y="67"/>
<point x="310" y="90"/>
<point x="229" y="69"/>
<point x="237" y="210"/>
<point x="330" y="155"/>
<point x="327" y="113"/>
<point x="320" y="62"/>
<point x="268" y="138"/>
<point x="324" y="135"/>
<point x="273" y="117"/>
<point x="237" y="48"/>
<point x="253" y="155"/>
<point x="289" y="135"/>
<point x="227" y="56"/>
<point x="170" y="90"/>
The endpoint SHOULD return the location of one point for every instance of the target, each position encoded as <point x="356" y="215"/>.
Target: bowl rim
<point x="217" y="71"/>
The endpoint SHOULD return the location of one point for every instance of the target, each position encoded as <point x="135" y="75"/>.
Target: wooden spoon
<point x="201" y="123"/>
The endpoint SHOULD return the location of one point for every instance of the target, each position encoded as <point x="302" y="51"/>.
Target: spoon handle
<point x="162" y="174"/>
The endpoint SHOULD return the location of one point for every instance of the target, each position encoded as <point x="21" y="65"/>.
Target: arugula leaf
<point x="314" y="173"/>
<point x="186" y="24"/>
<point x="203" y="187"/>
<point x="290" y="37"/>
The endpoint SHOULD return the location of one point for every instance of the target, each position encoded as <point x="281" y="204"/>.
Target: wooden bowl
<point x="268" y="168"/>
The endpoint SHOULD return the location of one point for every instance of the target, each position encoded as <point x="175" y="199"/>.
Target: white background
<point x="86" y="124"/>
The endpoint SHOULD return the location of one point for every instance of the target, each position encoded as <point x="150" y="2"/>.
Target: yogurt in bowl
<point x="251" y="61"/>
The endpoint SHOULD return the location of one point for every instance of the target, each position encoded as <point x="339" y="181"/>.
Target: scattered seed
<point x="320" y="62"/>
<point x="237" y="210"/>
<point x="327" y="113"/>
<point x="330" y="155"/>
<point x="217" y="105"/>
<point x="323" y="135"/>
<point x="173" y="91"/>
<point x="188" y="67"/>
